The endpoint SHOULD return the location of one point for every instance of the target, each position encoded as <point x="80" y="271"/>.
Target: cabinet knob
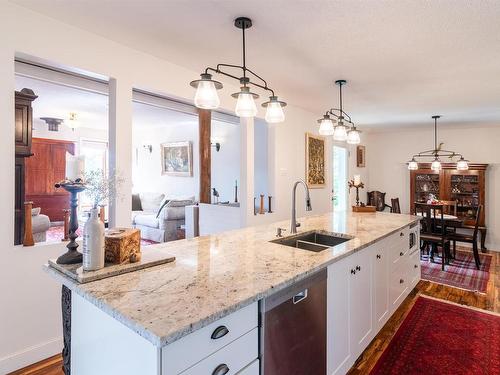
<point x="401" y="254"/>
<point x="415" y="266"/>
<point x="353" y="271"/>
<point x="401" y="281"/>
<point x="379" y="256"/>
<point x="401" y="234"/>
<point x="358" y="268"/>
<point x="222" y="369"/>
<point x="219" y="332"/>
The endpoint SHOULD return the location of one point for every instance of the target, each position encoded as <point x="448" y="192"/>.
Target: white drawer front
<point x="198" y="345"/>
<point x="252" y="369"/>
<point x="233" y="357"/>
<point x="398" y="285"/>
<point x="414" y="264"/>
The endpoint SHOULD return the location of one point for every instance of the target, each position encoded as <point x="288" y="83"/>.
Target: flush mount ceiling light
<point x="344" y="130"/>
<point x="206" y="96"/>
<point x="437" y="153"/>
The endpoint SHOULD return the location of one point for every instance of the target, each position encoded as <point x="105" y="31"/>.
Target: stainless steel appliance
<point x="293" y="329"/>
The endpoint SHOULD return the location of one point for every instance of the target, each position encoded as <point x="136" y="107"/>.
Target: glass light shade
<point x="462" y="165"/>
<point x="326" y="126"/>
<point x="245" y="106"/>
<point x="274" y="112"/>
<point x="436" y="165"/>
<point x="340" y="133"/>
<point x="206" y="96"/>
<point x="412" y="165"/>
<point x="353" y="137"/>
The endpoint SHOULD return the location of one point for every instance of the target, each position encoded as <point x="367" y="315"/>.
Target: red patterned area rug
<point x="460" y="273"/>
<point x="443" y="338"/>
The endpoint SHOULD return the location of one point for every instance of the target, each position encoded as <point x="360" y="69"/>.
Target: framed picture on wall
<point x="177" y="159"/>
<point x="360" y="156"/>
<point x="315" y="161"/>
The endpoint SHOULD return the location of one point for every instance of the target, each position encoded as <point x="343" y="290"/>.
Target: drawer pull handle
<point x="222" y="369"/>
<point x="415" y="266"/>
<point x="401" y="254"/>
<point x="401" y="234"/>
<point x="358" y="268"/>
<point x="353" y="271"/>
<point x="379" y="256"/>
<point x="219" y="332"/>
<point x="401" y="281"/>
<point x="300" y="296"/>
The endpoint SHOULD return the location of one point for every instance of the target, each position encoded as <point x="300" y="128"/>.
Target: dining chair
<point x="433" y="229"/>
<point x="377" y="199"/>
<point x="450" y="207"/>
<point x="468" y="238"/>
<point x="395" y="208"/>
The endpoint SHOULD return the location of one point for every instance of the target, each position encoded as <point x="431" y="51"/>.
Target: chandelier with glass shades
<point x="338" y="123"/>
<point x="206" y="88"/>
<point x="437" y="153"/>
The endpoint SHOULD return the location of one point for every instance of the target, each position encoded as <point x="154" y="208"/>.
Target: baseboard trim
<point x="28" y="356"/>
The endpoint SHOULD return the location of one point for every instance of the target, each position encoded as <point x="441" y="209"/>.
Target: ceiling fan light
<point x="274" y="110"/>
<point x="462" y="164"/>
<point x="353" y="137"/>
<point x="340" y="133"/>
<point x="245" y="105"/>
<point x="206" y="96"/>
<point x="436" y="165"/>
<point x="412" y="165"/>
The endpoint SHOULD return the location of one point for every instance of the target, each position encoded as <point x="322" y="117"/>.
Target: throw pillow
<point x="165" y="202"/>
<point x="36" y="211"/>
<point x="136" y="202"/>
<point x="151" y="201"/>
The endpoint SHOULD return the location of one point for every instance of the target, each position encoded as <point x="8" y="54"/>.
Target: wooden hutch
<point x="468" y="188"/>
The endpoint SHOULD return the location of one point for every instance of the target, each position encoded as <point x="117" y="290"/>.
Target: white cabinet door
<point x="338" y="346"/>
<point x="360" y="306"/>
<point x="380" y="284"/>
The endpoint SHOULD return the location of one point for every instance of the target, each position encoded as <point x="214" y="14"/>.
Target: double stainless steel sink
<point x="313" y="240"/>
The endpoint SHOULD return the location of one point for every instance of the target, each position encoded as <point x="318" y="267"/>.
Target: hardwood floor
<point x="489" y="301"/>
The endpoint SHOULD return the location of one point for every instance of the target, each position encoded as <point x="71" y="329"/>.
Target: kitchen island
<point x="199" y="314"/>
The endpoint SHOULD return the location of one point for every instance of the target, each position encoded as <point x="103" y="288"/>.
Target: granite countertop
<point x="218" y="274"/>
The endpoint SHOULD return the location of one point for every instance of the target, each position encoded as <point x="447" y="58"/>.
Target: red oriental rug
<point x="460" y="273"/>
<point x="443" y="338"/>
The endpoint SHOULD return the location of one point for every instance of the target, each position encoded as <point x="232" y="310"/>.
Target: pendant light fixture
<point x="206" y="96"/>
<point x="436" y="154"/>
<point x="344" y="130"/>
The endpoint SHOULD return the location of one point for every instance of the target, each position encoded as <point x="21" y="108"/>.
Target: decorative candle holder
<point x="357" y="184"/>
<point x="72" y="256"/>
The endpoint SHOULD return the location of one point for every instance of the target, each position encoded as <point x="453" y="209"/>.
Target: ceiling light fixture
<point x="436" y="154"/>
<point x="341" y="132"/>
<point x="206" y="96"/>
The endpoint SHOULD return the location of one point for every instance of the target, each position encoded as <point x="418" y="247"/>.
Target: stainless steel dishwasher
<point x="293" y="329"/>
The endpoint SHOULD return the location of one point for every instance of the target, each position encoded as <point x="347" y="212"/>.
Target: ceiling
<point x="404" y="60"/>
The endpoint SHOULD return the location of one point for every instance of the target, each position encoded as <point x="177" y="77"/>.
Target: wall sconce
<point x="216" y="145"/>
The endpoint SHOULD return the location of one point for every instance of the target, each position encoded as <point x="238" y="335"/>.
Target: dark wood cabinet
<point x="23" y="128"/>
<point x="46" y="167"/>
<point x="468" y="188"/>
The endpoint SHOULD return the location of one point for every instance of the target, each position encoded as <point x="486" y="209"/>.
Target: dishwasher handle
<point x="299" y="297"/>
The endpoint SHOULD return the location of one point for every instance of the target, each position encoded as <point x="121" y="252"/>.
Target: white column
<point x="120" y="150"/>
<point x="246" y="188"/>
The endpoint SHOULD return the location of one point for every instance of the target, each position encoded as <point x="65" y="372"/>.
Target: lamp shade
<point x="340" y="133"/>
<point x="326" y="125"/>
<point x="245" y="105"/>
<point x="412" y="165"/>
<point x="206" y="96"/>
<point x="353" y="137"/>
<point x="462" y="164"/>
<point x="274" y="110"/>
<point x="436" y="165"/>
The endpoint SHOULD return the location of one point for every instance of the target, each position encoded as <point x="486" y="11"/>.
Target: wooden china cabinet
<point x="468" y="188"/>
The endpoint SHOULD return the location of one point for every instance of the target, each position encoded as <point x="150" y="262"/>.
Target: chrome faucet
<point x="294" y="225"/>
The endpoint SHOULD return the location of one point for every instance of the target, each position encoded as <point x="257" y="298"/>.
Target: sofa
<point x="40" y="224"/>
<point x="159" y="217"/>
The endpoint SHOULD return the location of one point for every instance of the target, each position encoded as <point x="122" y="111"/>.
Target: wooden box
<point x="123" y="245"/>
<point x="363" y="208"/>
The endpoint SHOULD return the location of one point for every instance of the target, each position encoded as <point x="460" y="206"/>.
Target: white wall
<point x="30" y="312"/>
<point x="389" y="151"/>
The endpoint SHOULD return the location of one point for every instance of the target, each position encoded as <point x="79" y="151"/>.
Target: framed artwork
<point x="360" y="156"/>
<point x="315" y="161"/>
<point x="177" y="159"/>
